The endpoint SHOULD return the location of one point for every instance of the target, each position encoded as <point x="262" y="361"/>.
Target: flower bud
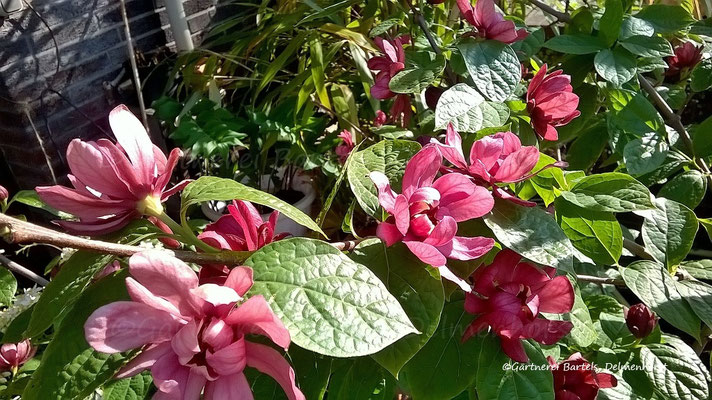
<point x="12" y="355"/>
<point x="4" y="194"/>
<point x="641" y="320"/>
<point x="432" y="95"/>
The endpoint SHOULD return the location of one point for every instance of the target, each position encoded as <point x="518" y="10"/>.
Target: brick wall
<point x="36" y="123"/>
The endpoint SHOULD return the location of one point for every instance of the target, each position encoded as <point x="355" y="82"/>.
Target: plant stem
<point x="563" y="17"/>
<point x="420" y="20"/>
<point x="20" y="270"/>
<point x="186" y="234"/>
<point x="637" y="249"/>
<point x="600" y="280"/>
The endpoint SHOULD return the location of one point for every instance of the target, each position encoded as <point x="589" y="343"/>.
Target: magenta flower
<point x="401" y="110"/>
<point x="687" y="55"/>
<point x="4" y="194"/>
<point x="192" y="337"/>
<point x="113" y="183"/>
<point x="577" y="379"/>
<point x="509" y="294"/>
<point x="425" y="215"/>
<point x="387" y="65"/>
<point x="551" y="102"/>
<point x="344" y="149"/>
<point x="12" y="355"/>
<point x="489" y="23"/>
<point x="498" y="158"/>
<point x="380" y="119"/>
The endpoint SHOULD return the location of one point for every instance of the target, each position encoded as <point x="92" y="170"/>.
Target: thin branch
<point x="132" y="59"/>
<point x="451" y="77"/>
<point x="20" y="270"/>
<point x="563" y="17"/>
<point x="637" y="249"/>
<point x="600" y="280"/>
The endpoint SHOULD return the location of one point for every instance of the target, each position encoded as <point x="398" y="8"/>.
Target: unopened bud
<point x="641" y="320"/>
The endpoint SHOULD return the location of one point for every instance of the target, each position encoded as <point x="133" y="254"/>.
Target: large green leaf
<point x="499" y="378"/>
<point x="420" y="294"/>
<point x="652" y="283"/>
<point x="673" y="372"/>
<point x="617" y="66"/>
<point x="665" y="18"/>
<point x="699" y="296"/>
<point x="633" y="26"/>
<point x="361" y="378"/>
<point x="610" y="191"/>
<point x="63" y="290"/>
<point x="531" y="232"/>
<point x="597" y="234"/>
<point x="700" y="269"/>
<point x="645" y="46"/>
<point x="386" y="156"/>
<point x="688" y="188"/>
<point x="460" y="106"/>
<point x="445" y="366"/>
<point x="575" y="44"/>
<point x="134" y="388"/>
<point x="330" y="304"/>
<point x="701" y="77"/>
<point x="669" y="230"/>
<point x="417" y="78"/>
<point x="8" y="287"/>
<point x="645" y="154"/>
<point x="70" y="369"/>
<point x="208" y="188"/>
<point x="609" y="25"/>
<point x="493" y="66"/>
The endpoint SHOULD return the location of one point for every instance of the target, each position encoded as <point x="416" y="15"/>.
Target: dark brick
<point x="200" y="22"/>
<point x="195" y="6"/>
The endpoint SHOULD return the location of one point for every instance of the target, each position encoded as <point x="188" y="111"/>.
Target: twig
<point x="134" y="67"/>
<point x="563" y="17"/>
<point x="600" y="280"/>
<point x="450" y="75"/>
<point x="637" y="249"/>
<point x="20" y="270"/>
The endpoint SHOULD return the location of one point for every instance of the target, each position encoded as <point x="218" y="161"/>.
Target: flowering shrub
<point x="506" y="212"/>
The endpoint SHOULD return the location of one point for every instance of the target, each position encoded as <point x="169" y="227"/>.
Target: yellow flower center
<point x="150" y="206"/>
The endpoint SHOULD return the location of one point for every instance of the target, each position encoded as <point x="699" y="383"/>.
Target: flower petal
<point x="517" y="164"/>
<point x="268" y="361"/>
<point x="95" y="169"/>
<point x="443" y="232"/>
<point x="134" y="140"/>
<point x="466" y="248"/>
<point x="229" y="387"/>
<point x="421" y="169"/>
<point x="427" y="253"/>
<point x="185" y="342"/>
<point x="255" y="316"/>
<point x="545" y="331"/>
<point x="144" y="360"/>
<point x="556" y="296"/>
<point x="240" y="280"/>
<point x="228" y="360"/>
<point x="386" y="196"/>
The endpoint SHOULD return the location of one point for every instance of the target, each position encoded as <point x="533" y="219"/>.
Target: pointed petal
<point x="443" y="232"/>
<point x="255" y="316"/>
<point x="514" y="349"/>
<point x="144" y="360"/>
<point x="427" y="253"/>
<point x="95" y="170"/>
<point x="165" y="177"/>
<point x="228" y="360"/>
<point x="229" y="387"/>
<point x="386" y="196"/>
<point x="270" y="362"/>
<point x="517" y="164"/>
<point x="557" y="296"/>
<point x="545" y="331"/>
<point x="467" y="248"/>
<point x="388" y="233"/>
<point x="133" y="138"/>
<point x="421" y="169"/>
<point x="446" y="273"/>
<point x="402" y="214"/>
<point x="140" y="294"/>
<point x="240" y="280"/>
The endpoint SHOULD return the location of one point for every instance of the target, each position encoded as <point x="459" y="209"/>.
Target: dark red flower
<point x="640" y="319"/>
<point x="380" y="119"/>
<point x="551" y="102"/>
<point x="401" y="110"/>
<point x="508" y="295"/>
<point x="576" y="379"/>
<point x="344" y="149"/>
<point x="489" y="23"/>
<point x="432" y="95"/>
<point x="387" y="65"/>
<point x="687" y="55"/>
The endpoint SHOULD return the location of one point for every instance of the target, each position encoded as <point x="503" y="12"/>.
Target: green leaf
<point x="702" y="138"/>
<point x="617" y="66"/>
<point x="361" y="378"/>
<point x="610" y="23"/>
<point x="669" y="230"/>
<point x="418" y="78"/>
<point x="597" y="234"/>
<point x="445" y="366"/>
<point x="699" y="296"/>
<point x="330" y="304"/>
<point x="700" y="269"/>
<point x="8" y="287"/>
<point x="275" y="65"/>
<point x="208" y="188"/>
<point x="316" y="57"/>
<point x="645" y="154"/>
<point x="494" y="114"/>
<point x="531" y="232"/>
<point x="673" y="374"/>
<point x="388" y="157"/>
<point x="701" y="76"/>
<point x="610" y="191"/>
<point x="459" y="106"/>
<point x="688" y="188"/>
<point x="666" y="19"/>
<point x="70" y="369"/>
<point x="63" y="290"/>
<point x="499" y="378"/>
<point x="575" y="44"/>
<point x="420" y="294"/>
<point x="652" y="283"/>
<point x="30" y="198"/>
<point x="134" y="388"/>
<point x="493" y="66"/>
<point x="645" y="46"/>
<point x="633" y="26"/>
<point x="614" y="326"/>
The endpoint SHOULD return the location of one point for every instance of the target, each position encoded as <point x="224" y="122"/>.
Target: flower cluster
<point x="577" y="379"/>
<point x="508" y="296"/>
<point x="192" y="336"/>
<point x="113" y="183"/>
<point x="488" y="22"/>
<point x="551" y="102"/>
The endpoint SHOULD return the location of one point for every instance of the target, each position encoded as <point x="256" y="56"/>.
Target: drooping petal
<point x="167" y="277"/>
<point x="466" y="10"/>
<point x="427" y="253"/>
<point x="255" y="316"/>
<point x="229" y="387"/>
<point x="133" y="138"/>
<point x="126" y="325"/>
<point x="98" y="226"/>
<point x="270" y="362"/>
<point x="421" y="169"/>
<point x="556" y="296"/>
<point x="240" y="280"/>
<point x="443" y="232"/>
<point x="452" y="150"/>
<point x="144" y="360"/>
<point x="386" y="196"/>
<point x="447" y="274"/>
<point x="545" y="331"/>
<point x="517" y="164"/>
<point x="467" y="248"/>
<point x="81" y="205"/>
<point x="165" y="177"/>
<point x="95" y="170"/>
<point x="514" y="349"/>
<point x="388" y="233"/>
<point x="606" y="381"/>
<point x="140" y="294"/>
<point x="401" y="213"/>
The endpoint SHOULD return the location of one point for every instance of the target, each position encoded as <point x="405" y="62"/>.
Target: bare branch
<point x="20" y="270"/>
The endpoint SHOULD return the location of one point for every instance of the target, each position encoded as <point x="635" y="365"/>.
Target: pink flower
<point x="508" y="295"/>
<point x="4" y="194"/>
<point x="489" y="23"/>
<point x="401" y="110"/>
<point x="551" y="102"/>
<point x="113" y="183"/>
<point x="498" y="158"/>
<point x="192" y="336"/>
<point x="343" y="150"/>
<point x="241" y="230"/>
<point x="12" y="355"/>
<point x="576" y="379"/>
<point x="425" y="215"/>
<point x="380" y="119"/>
<point x="687" y="55"/>
<point x="387" y="65"/>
